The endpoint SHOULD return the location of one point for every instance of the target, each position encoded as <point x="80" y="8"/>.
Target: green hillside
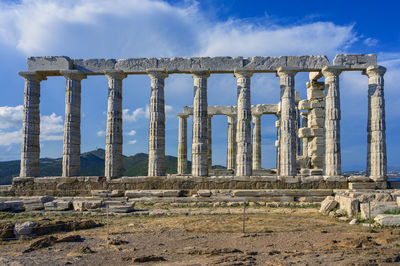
<point x="92" y="164"/>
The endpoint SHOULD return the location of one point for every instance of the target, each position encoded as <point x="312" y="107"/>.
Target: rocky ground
<point x="275" y="236"/>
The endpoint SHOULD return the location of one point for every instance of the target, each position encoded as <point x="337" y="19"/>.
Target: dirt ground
<point x="278" y="236"/>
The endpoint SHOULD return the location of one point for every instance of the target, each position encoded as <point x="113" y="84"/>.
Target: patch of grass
<point x="394" y="211"/>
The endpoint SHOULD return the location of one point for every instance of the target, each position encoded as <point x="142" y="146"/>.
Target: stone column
<point x="182" y="145"/>
<point x="288" y="136"/>
<point x="157" y="124"/>
<point x="72" y="124"/>
<point x="376" y="157"/>
<point x="332" y="166"/>
<point x="209" y="143"/>
<point x="30" y="148"/>
<point x="243" y="127"/>
<point x="113" y="156"/>
<point x="256" y="141"/>
<point x="200" y="120"/>
<point x="231" y="145"/>
<point x="278" y="143"/>
<point x="304" y="123"/>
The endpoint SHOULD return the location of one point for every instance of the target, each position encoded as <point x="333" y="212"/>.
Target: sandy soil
<point x="279" y="236"/>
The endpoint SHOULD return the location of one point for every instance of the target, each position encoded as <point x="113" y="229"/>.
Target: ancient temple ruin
<point x="319" y="130"/>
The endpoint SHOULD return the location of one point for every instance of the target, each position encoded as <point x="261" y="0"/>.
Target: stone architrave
<point x="256" y="141"/>
<point x="376" y="149"/>
<point x="30" y="148"/>
<point x="231" y="145"/>
<point x="243" y="126"/>
<point x="113" y="156"/>
<point x="72" y="124"/>
<point x="209" y="143"/>
<point x="182" y="145"/>
<point x="288" y="137"/>
<point x="157" y="124"/>
<point x="200" y="121"/>
<point x="332" y="166"/>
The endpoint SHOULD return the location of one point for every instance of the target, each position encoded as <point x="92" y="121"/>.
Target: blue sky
<point x="143" y="28"/>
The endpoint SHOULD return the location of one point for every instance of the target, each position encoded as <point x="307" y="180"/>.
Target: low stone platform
<point x="82" y="186"/>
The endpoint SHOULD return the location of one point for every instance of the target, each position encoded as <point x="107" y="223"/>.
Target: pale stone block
<point x="306" y="132"/>
<point x="358" y="178"/>
<point x="362" y="185"/>
<point x="94" y="65"/>
<point x="376" y="208"/>
<point x="136" y="65"/>
<point x="23" y="228"/>
<point x="348" y="204"/>
<point x="304" y="105"/>
<point x="174" y="64"/>
<point x="204" y="193"/>
<point x="49" y="63"/>
<point x="84" y="205"/>
<point x="355" y="61"/>
<point x="58" y="205"/>
<point x="328" y="205"/>
<point x="388" y="220"/>
<point x="121" y="207"/>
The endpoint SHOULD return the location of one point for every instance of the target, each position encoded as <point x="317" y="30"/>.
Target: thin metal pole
<point x="244" y="216"/>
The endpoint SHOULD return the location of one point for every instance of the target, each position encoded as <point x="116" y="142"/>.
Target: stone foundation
<point x="82" y="186"/>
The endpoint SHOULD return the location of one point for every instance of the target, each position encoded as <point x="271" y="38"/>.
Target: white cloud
<point x="370" y="42"/>
<point x="132" y="141"/>
<point x="131" y="133"/>
<point x="141" y="112"/>
<point x="11" y="116"/>
<point x="101" y="133"/>
<point x="51" y="126"/>
<point x="40" y="27"/>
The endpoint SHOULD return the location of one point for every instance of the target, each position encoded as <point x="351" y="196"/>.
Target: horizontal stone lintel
<point x="258" y="109"/>
<point x="51" y="65"/>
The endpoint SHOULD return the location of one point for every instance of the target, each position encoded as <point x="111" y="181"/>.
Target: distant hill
<point x="92" y="164"/>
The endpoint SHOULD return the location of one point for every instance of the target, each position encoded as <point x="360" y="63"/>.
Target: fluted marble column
<point x="231" y="145"/>
<point x="243" y="126"/>
<point x="256" y="141"/>
<point x="113" y="156"/>
<point x="376" y="157"/>
<point x="278" y="143"/>
<point x="200" y="121"/>
<point x="288" y="136"/>
<point x="209" y="142"/>
<point x="157" y="124"/>
<point x="304" y="123"/>
<point x="182" y="145"/>
<point x="30" y="148"/>
<point x="332" y="166"/>
<point x="72" y="124"/>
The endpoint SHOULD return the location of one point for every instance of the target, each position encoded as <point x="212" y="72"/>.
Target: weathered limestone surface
<point x="231" y="145"/>
<point x="376" y="208"/>
<point x="96" y="66"/>
<point x="332" y="166"/>
<point x="243" y="124"/>
<point x="157" y="124"/>
<point x="209" y="142"/>
<point x="72" y="123"/>
<point x="256" y="141"/>
<point x="348" y="204"/>
<point x="30" y="147"/>
<point x="328" y="204"/>
<point x="287" y="124"/>
<point x="113" y="154"/>
<point x="231" y="110"/>
<point x="376" y="149"/>
<point x="49" y="63"/>
<point x="200" y="120"/>
<point x="182" y="145"/>
<point x="388" y="220"/>
<point x="355" y="61"/>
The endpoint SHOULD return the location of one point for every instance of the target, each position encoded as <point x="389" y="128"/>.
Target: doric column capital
<point x="180" y="115"/>
<point x="156" y="73"/>
<point x="331" y="71"/>
<point x="256" y="115"/>
<point x="286" y="72"/>
<point x="32" y="75"/>
<point x="73" y="74"/>
<point x="200" y="73"/>
<point x="375" y="71"/>
<point x="240" y="73"/>
<point x="115" y="74"/>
